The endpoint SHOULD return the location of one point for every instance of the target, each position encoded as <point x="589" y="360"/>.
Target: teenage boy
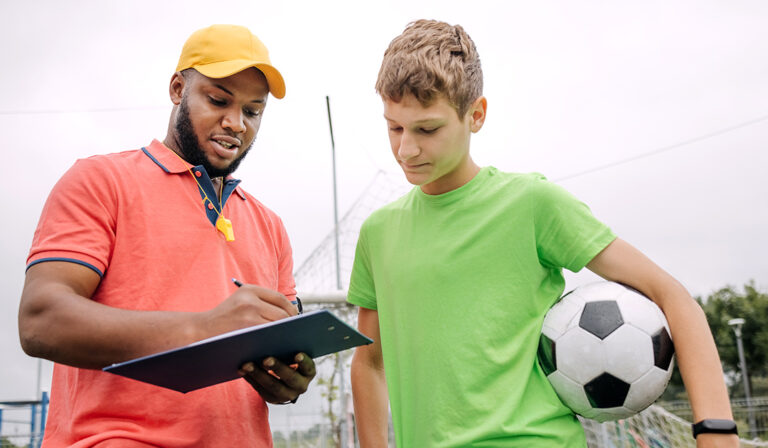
<point x="453" y="279"/>
<point x="135" y="252"/>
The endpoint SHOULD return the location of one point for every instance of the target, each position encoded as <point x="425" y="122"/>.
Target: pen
<point x="296" y="302"/>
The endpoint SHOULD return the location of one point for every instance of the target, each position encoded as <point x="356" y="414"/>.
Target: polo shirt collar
<point x="172" y="163"/>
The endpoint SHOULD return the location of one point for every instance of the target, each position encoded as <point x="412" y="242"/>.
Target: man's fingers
<point x="290" y="377"/>
<point x="281" y="304"/>
<point x="267" y="385"/>
<point x="306" y="366"/>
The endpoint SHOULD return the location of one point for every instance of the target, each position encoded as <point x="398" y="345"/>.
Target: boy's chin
<point x="416" y="179"/>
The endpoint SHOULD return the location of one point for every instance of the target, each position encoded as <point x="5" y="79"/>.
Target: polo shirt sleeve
<point x="286" y="284"/>
<point x="567" y="233"/>
<point x="362" y="290"/>
<point x="77" y="223"/>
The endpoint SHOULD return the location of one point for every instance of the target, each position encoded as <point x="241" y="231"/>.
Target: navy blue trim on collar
<point x="155" y="160"/>
<point x="206" y="189"/>
<point x="71" y="260"/>
<point x="229" y="187"/>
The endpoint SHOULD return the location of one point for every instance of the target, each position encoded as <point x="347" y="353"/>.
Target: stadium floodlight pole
<point x="339" y="363"/>
<point x="335" y="200"/>
<point x="736" y="324"/>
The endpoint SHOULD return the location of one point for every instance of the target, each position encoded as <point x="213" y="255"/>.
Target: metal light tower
<point x="344" y="423"/>
<point x="737" y="324"/>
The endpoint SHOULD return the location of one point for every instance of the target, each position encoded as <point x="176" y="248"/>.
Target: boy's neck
<point x="453" y="180"/>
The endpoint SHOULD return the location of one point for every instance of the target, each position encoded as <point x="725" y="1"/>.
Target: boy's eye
<point x="427" y="130"/>
<point x="395" y="128"/>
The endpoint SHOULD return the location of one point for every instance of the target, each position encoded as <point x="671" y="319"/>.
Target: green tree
<point x="752" y="306"/>
<point x="721" y="306"/>
<point x="6" y="443"/>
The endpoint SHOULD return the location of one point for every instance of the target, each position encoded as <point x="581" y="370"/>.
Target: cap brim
<point x="229" y="68"/>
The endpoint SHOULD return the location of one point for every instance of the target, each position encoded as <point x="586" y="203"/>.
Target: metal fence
<point x="751" y="418"/>
<point x="22" y="422"/>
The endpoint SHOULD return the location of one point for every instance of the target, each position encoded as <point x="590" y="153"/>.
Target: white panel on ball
<point x="570" y="392"/>
<point x="641" y="312"/>
<point x="597" y="291"/>
<point x="647" y="389"/>
<point x="567" y="316"/>
<point x="574" y="348"/>
<point x="629" y="353"/>
<point x="603" y="415"/>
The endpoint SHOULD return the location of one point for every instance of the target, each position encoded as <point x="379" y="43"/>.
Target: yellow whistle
<point x="224" y="226"/>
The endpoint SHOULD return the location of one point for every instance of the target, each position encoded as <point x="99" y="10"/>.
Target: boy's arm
<point x="695" y="348"/>
<point x="369" y="387"/>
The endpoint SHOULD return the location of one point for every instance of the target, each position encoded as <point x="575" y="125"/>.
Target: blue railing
<point x="22" y="423"/>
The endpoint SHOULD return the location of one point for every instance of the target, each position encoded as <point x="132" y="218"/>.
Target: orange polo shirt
<point x="139" y="219"/>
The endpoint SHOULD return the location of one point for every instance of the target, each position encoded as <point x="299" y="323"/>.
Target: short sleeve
<point x="362" y="290"/>
<point x="567" y="233"/>
<point x="77" y="223"/>
<point x="286" y="281"/>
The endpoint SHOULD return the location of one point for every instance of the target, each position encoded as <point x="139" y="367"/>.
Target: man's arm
<point x="58" y="321"/>
<point x="369" y="387"/>
<point x="695" y="349"/>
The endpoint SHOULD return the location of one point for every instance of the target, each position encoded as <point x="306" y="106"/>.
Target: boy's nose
<point x="409" y="148"/>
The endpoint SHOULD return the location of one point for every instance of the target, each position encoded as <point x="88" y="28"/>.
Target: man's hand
<point x="249" y="305"/>
<point x="278" y="382"/>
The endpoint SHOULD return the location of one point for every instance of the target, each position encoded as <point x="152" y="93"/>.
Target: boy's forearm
<point x="698" y="360"/>
<point x="699" y="364"/>
<point x="695" y="350"/>
<point x="369" y="392"/>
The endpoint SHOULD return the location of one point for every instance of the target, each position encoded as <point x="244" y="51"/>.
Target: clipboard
<point x="217" y="359"/>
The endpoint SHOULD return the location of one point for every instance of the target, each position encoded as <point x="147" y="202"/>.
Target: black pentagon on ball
<point x="546" y="354"/>
<point x="606" y="391"/>
<point x="601" y="318"/>
<point x="663" y="349"/>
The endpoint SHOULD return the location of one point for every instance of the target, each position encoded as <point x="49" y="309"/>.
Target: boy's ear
<point x="477" y="114"/>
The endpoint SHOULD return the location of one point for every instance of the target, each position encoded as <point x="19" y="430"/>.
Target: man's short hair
<point x="431" y="59"/>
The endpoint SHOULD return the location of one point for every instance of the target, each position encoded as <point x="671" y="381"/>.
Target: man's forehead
<point x="250" y="81"/>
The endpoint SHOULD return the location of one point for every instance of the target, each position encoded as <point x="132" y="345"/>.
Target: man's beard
<point x="190" y="145"/>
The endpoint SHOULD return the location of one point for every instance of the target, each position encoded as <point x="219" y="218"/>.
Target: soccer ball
<point x="606" y="350"/>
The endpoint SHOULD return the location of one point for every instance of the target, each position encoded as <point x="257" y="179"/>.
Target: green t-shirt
<point x="462" y="282"/>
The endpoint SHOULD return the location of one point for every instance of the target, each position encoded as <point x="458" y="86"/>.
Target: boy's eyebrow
<point x="219" y="86"/>
<point x="422" y="121"/>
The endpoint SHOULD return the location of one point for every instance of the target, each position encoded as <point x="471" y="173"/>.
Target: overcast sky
<point x="571" y="86"/>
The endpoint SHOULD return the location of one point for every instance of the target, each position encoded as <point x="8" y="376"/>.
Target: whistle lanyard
<point x="223" y="224"/>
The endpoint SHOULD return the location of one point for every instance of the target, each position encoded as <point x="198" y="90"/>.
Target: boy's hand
<point x="277" y="382"/>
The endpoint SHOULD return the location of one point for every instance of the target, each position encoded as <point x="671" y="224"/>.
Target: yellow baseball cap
<point x="223" y="50"/>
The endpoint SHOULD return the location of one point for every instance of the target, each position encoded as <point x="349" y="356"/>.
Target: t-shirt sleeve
<point x="362" y="290"/>
<point x="567" y="233"/>
<point x="77" y="223"/>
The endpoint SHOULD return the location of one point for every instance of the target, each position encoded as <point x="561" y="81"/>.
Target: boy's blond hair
<point x="431" y="59"/>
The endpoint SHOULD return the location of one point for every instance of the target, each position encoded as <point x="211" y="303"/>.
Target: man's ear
<point x="176" y="89"/>
<point x="477" y="113"/>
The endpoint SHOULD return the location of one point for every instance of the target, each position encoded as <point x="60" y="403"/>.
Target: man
<point x="135" y="252"/>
